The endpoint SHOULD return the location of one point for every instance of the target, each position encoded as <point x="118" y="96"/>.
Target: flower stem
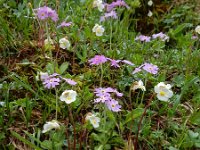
<point x="56" y="104"/>
<point x="101" y="79"/>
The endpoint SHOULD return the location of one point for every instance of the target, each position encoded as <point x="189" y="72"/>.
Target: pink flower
<point x="161" y="36"/>
<point x="65" y="24"/>
<point x="114" y="63"/>
<point x="128" y="62"/>
<point x="97" y="60"/>
<point x="113" y="105"/>
<point x="118" y="3"/>
<point x="45" y="13"/>
<point x="153" y="69"/>
<point x="51" y="82"/>
<point x="111" y="14"/>
<point x="143" y="38"/>
<point x="70" y="81"/>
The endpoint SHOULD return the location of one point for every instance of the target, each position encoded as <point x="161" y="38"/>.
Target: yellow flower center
<point x="162" y="93"/>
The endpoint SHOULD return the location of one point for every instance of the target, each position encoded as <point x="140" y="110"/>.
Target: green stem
<point x="110" y="35"/>
<point x="101" y="78"/>
<point x="56" y="104"/>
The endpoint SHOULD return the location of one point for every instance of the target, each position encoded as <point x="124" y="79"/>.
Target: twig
<point x="140" y="122"/>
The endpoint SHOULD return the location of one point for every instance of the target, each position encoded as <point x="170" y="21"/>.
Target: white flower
<point x="163" y="91"/>
<point x="149" y="13"/>
<point x="50" y="125"/>
<point x="48" y="41"/>
<point x="197" y="29"/>
<point x="138" y="85"/>
<point x="2" y="103"/>
<point x="68" y="96"/>
<point x="93" y="119"/>
<point x="98" y="29"/>
<point x="99" y="4"/>
<point x="150" y="3"/>
<point x="64" y="43"/>
<point x="41" y="76"/>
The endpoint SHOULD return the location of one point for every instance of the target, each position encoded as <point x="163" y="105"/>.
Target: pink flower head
<point x="45" y="13"/>
<point x="117" y="3"/>
<point x="161" y="36"/>
<point x="143" y="38"/>
<point x="114" y="63"/>
<point x="97" y="60"/>
<point x="102" y="99"/>
<point x="128" y="62"/>
<point x="153" y="69"/>
<point x="51" y="82"/>
<point x="113" y="105"/>
<point x="111" y="14"/>
<point x="136" y="70"/>
<point x="70" y="81"/>
<point x="65" y="24"/>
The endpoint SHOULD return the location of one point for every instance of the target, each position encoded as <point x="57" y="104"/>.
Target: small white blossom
<point x="163" y="91"/>
<point x="149" y="13"/>
<point x="48" y="41"/>
<point x="138" y="85"/>
<point x="2" y="103"/>
<point x="98" y="29"/>
<point x="64" y="43"/>
<point x="50" y="125"/>
<point x="99" y="4"/>
<point x="93" y="119"/>
<point x="197" y="29"/>
<point x="68" y="96"/>
<point x="150" y="3"/>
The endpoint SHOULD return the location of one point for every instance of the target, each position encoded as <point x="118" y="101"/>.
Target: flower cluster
<point x="111" y="14"/>
<point x="161" y="36"/>
<point x="104" y="96"/>
<point x="100" y="59"/>
<point x="153" y="69"/>
<point x="163" y="91"/>
<point x="93" y="119"/>
<point x="45" y="12"/>
<point x="118" y="3"/>
<point x="143" y="38"/>
<point x="51" y="81"/>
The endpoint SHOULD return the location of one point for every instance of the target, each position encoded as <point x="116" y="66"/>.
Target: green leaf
<point x="133" y="114"/>
<point x="195" y="119"/>
<point x="19" y="137"/>
<point x="64" y="67"/>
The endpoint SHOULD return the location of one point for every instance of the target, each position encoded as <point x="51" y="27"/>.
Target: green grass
<point x="144" y="121"/>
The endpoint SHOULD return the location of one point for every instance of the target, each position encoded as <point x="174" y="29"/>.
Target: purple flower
<point x="70" y="81"/>
<point x="65" y="24"/>
<point x="128" y="62"/>
<point x="45" y="13"/>
<point x="113" y="105"/>
<point x="51" y="82"/>
<point x="153" y="69"/>
<point x="111" y="14"/>
<point x="102" y="99"/>
<point x="97" y="60"/>
<point x="136" y="70"/>
<point x="143" y="38"/>
<point x="160" y="35"/>
<point x="118" y="3"/>
<point x="114" y="63"/>
<point x="194" y="37"/>
<point x="102" y="92"/>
